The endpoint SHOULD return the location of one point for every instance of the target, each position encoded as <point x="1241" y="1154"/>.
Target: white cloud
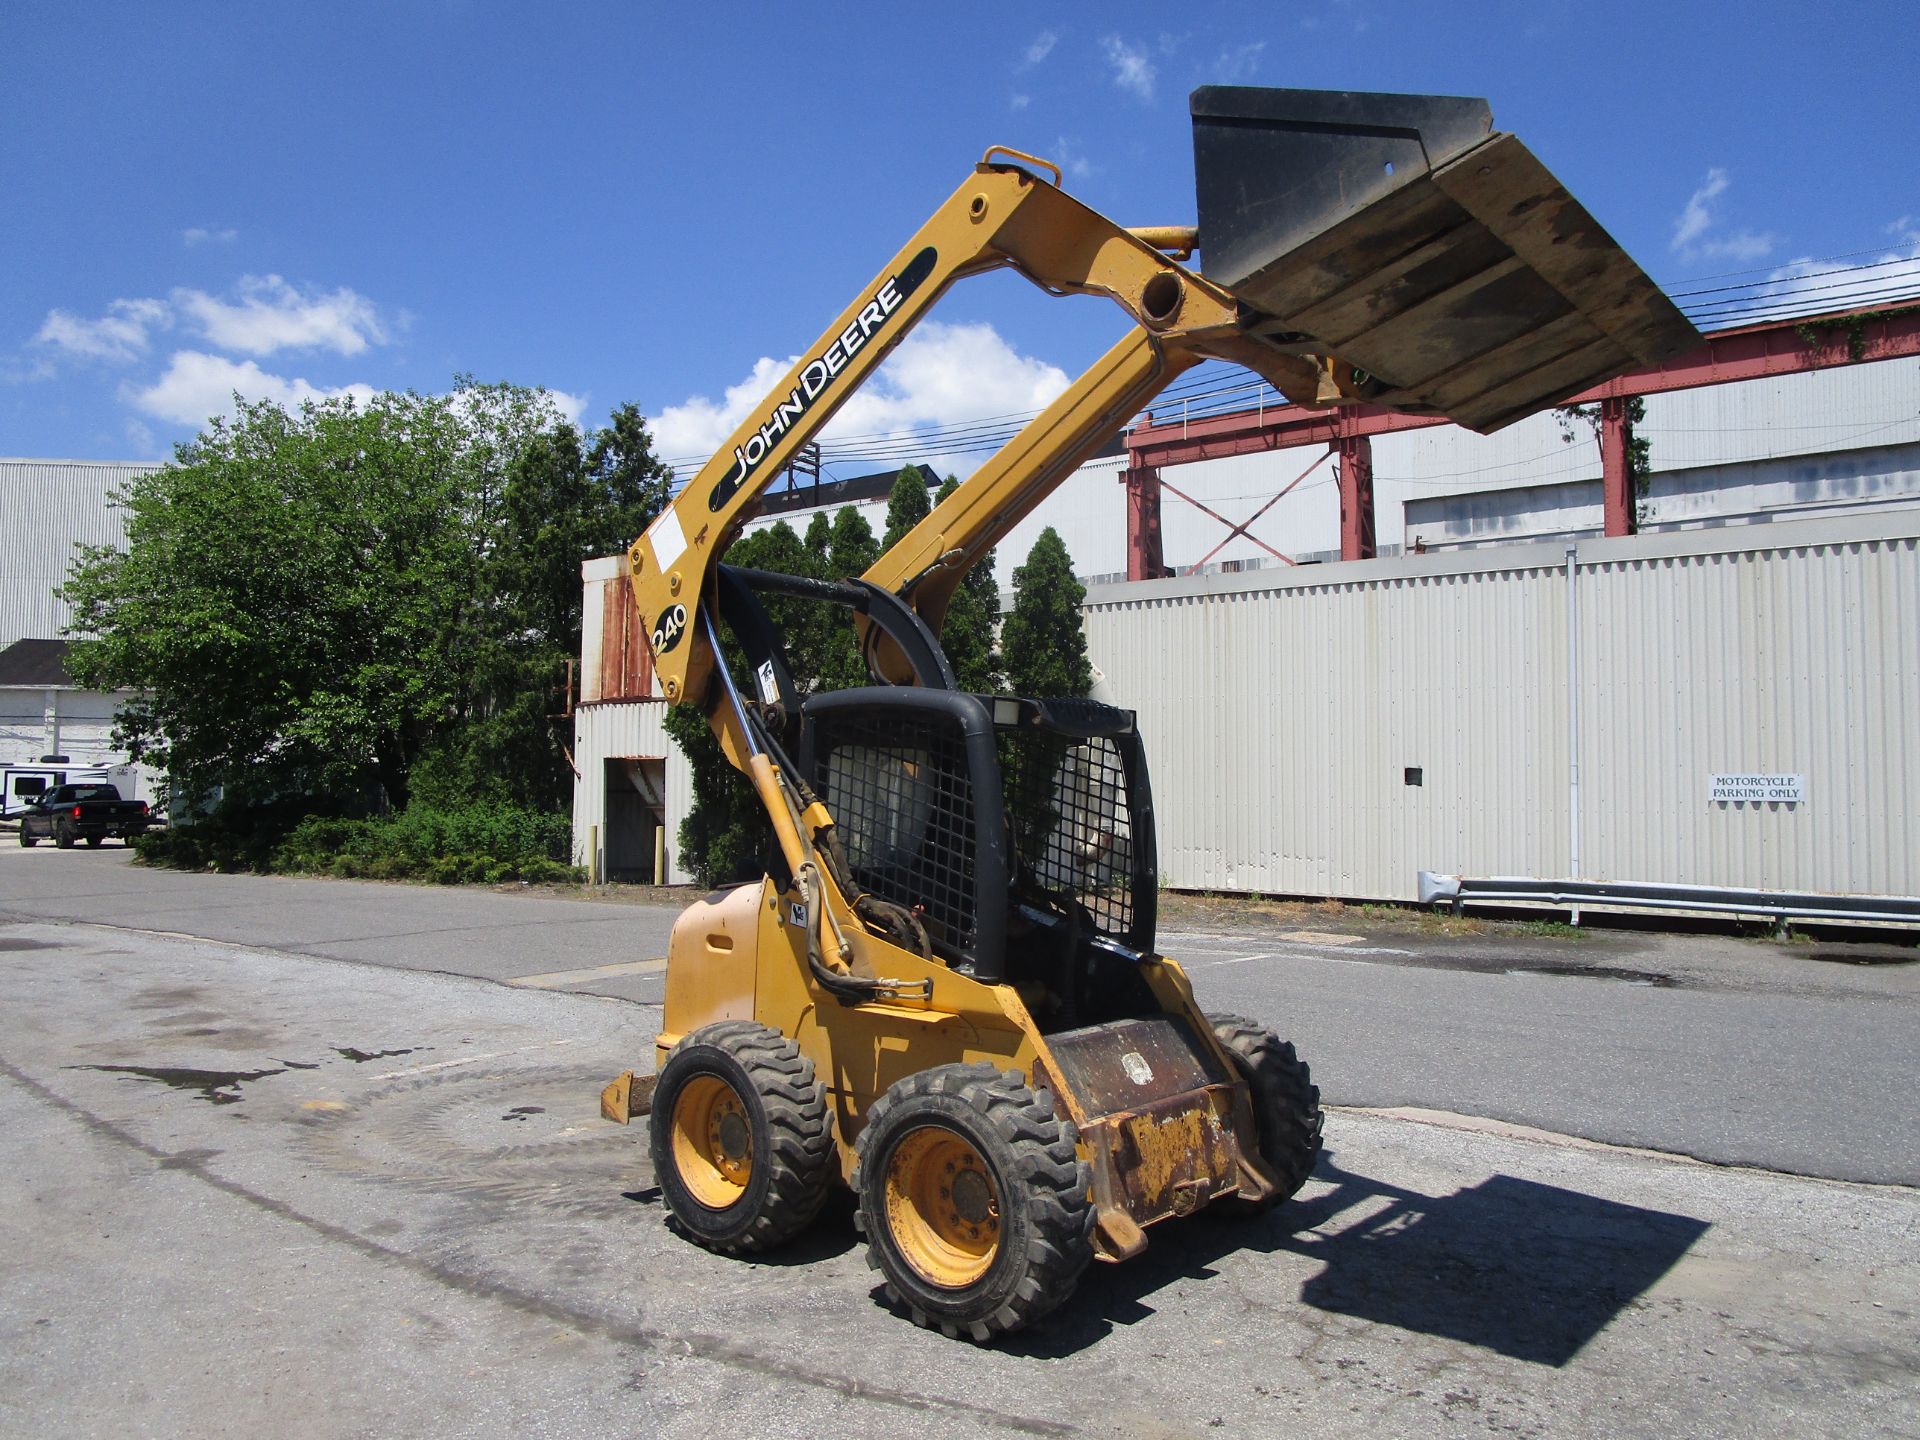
<point x="263" y="315"/>
<point x="1694" y="232"/>
<point x="1071" y="162"/>
<point x="1042" y="46"/>
<point x="121" y="334"/>
<point x="1239" y="65"/>
<point x="698" y="425"/>
<point x="948" y="375"/>
<point x="571" y="407"/>
<point x="196" y="386"/>
<point x="1019" y="102"/>
<point x="1133" y="69"/>
<point x="940" y="375"/>
<point x="200" y="235"/>
<point x="1697" y="217"/>
<point x="271" y="315"/>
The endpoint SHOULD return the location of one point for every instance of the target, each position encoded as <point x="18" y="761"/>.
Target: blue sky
<point x="662" y="204"/>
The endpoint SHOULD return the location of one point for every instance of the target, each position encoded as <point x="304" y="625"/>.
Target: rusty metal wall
<point x="615" y="662"/>
<point x="1283" y="711"/>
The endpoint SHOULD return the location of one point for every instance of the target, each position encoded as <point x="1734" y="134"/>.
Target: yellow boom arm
<point x="1003" y="216"/>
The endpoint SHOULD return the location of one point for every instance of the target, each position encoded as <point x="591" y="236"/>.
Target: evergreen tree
<point x="1044" y="639"/>
<point x="563" y="502"/>
<point x="851" y="550"/>
<point x="906" y="505"/>
<point x="967" y="634"/>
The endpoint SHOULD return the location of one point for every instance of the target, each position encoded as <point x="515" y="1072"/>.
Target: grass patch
<point x="1550" y="929"/>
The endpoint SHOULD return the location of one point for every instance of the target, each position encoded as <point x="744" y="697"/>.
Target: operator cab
<point x="1019" y="831"/>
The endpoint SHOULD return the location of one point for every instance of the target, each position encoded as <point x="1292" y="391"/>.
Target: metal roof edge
<point x="1750" y="537"/>
<point x="96" y="464"/>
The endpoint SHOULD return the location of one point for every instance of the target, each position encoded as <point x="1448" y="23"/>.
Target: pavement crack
<point x="716" y="1349"/>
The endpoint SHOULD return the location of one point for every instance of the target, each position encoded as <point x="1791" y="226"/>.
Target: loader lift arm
<point x="1004" y="216"/>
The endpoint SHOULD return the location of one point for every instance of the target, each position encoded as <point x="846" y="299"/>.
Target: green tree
<point x="328" y="601"/>
<point x="563" y="502"/>
<point x="285" y="600"/>
<point x="1044" y="638"/>
<point x="967" y="633"/>
<point x="906" y="504"/>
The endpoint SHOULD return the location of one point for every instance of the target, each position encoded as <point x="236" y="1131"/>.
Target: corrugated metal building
<point x="1333" y="730"/>
<point x="51" y="506"/>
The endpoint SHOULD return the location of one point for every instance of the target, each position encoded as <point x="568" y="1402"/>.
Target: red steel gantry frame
<point x="1751" y="352"/>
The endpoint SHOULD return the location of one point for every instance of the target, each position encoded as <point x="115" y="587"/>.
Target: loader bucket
<point x="1404" y="235"/>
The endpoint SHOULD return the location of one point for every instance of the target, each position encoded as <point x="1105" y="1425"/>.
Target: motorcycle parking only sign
<point x="1757" y="789"/>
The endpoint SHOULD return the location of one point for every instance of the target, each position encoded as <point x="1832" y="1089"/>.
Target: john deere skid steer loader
<point x="945" y="993"/>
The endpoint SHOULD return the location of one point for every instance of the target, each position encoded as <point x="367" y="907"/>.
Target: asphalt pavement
<point x="246" y="1191"/>
<point x="1793" y="1058"/>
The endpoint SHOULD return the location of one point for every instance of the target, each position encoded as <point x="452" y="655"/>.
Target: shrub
<point x="461" y="845"/>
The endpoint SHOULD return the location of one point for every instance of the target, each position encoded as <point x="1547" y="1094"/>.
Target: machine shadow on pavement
<point x="1526" y="1270"/>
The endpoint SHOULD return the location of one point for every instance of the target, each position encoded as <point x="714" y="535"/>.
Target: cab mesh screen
<point x="902" y="802"/>
<point x="1072" y="829"/>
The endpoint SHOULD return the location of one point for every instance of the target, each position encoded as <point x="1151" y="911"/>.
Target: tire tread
<point x="799" y="1133"/>
<point x="1057" y="1192"/>
<point x="1286" y="1102"/>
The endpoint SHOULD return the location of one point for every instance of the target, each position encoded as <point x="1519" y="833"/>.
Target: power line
<point x="1775" y="277"/>
<point x="1775" y="269"/>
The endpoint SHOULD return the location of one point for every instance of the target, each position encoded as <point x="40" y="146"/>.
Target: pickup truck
<point x="68" y="813"/>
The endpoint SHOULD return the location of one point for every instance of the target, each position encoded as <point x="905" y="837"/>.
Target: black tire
<point x="779" y="1113"/>
<point x="1286" y="1103"/>
<point x="93" y="841"/>
<point x="1039" y="1234"/>
<point x="63" y="835"/>
<point x="29" y="841"/>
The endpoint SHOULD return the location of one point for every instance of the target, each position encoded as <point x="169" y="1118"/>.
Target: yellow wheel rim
<point x="712" y="1141"/>
<point x="942" y="1207"/>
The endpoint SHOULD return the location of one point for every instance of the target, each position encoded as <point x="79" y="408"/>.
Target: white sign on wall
<point x="1755" y="789"/>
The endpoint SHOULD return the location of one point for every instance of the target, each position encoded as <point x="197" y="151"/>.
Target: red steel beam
<point x="1145" y="558"/>
<point x="1753" y="352"/>
<point x="1356" y="497"/>
<point x="1216" y="437"/>
<point x="1616" y="483"/>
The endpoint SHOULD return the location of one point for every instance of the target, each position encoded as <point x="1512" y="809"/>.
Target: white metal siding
<point x="32" y="717"/>
<point x="1796" y="660"/>
<point x="1282" y="710"/>
<point x="634" y="730"/>
<point x="1814" y="413"/>
<point x="46" y="508"/>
